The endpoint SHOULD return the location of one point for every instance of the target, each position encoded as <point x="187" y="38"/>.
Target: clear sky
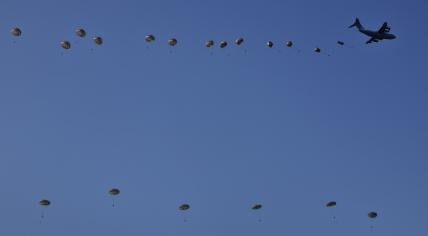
<point x="219" y="129"/>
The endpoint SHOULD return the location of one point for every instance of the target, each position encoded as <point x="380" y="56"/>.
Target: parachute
<point x="239" y="41"/>
<point x="317" y="50"/>
<point x="209" y="43"/>
<point x="289" y="44"/>
<point x="80" y="32"/>
<point x="340" y="43"/>
<point x="16" y="31"/>
<point x="44" y="202"/>
<point x="98" y="40"/>
<point x="172" y="42"/>
<point x="149" y="38"/>
<point x="113" y="192"/>
<point x="330" y="205"/>
<point x="257" y="206"/>
<point x="184" y="207"/>
<point x="223" y="44"/>
<point x="269" y="44"/>
<point x="65" y="44"/>
<point x="372" y="215"/>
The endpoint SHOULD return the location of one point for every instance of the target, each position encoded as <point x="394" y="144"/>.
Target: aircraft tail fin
<point x="357" y="24"/>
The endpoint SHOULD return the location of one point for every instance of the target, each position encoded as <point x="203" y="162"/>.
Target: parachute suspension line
<point x="184" y="217"/>
<point x="112" y="202"/>
<point x="42" y="216"/>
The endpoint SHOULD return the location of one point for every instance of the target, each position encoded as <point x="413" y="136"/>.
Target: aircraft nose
<point x="393" y="36"/>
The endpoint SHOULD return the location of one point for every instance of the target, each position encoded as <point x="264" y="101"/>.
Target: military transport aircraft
<point x="376" y="36"/>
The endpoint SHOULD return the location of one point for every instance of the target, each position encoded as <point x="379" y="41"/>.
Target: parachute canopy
<point x="98" y="40"/>
<point x="372" y="214"/>
<point x="184" y="207"/>
<point x="340" y="43"/>
<point x="44" y="202"/>
<point x="317" y="50"/>
<point x="114" y="191"/>
<point x="239" y="41"/>
<point x="256" y="206"/>
<point x="80" y="32"/>
<point x="65" y="44"/>
<point x="330" y="204"/>
<point x="209" y="43"/>
<point x="149" y="38"/>
<point x="223" y="44"/>
<point x="269" y="43"/>
<point x="289" y="44"/>
<point x="16" y="31"/>
<point x="172" y="42"/>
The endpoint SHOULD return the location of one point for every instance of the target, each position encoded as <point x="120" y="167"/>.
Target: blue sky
<point x="219" y="129"/>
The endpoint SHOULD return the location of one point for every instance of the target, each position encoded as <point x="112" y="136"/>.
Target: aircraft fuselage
<point x="377" y="35"/>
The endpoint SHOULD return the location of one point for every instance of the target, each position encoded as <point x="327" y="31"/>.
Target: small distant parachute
<point x="184" y="207"/>
<point x="44" y="202"/>
<point x="372" y="214"/>
<point x="98" y="40"/>
<point x="16" y="31"/>
<point x="113" y="193"/>
<point x="172" y="42"/>
<point x="209" y="43"/>
<point x="341" y="43"/>
<point x="317" y="50"/>
<point x="269" y="44"/>
<point x="289" y="44"/>
<point x="239" y="41"/>
<point x="149" y="38"/>
<point x="223" y="44"/>
<point x="80" y="32"/>
<point x="65" y="44"/>
<point x="257" y="206"/>
<point x="331" y="204"/>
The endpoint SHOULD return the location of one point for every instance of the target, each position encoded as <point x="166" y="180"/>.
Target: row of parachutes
<point x="114" y="192"/>
<point x="81" y="33"/>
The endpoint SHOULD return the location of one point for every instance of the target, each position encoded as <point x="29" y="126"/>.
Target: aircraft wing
<point x="372" y="40"/>
<point x="385" y="28"/>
